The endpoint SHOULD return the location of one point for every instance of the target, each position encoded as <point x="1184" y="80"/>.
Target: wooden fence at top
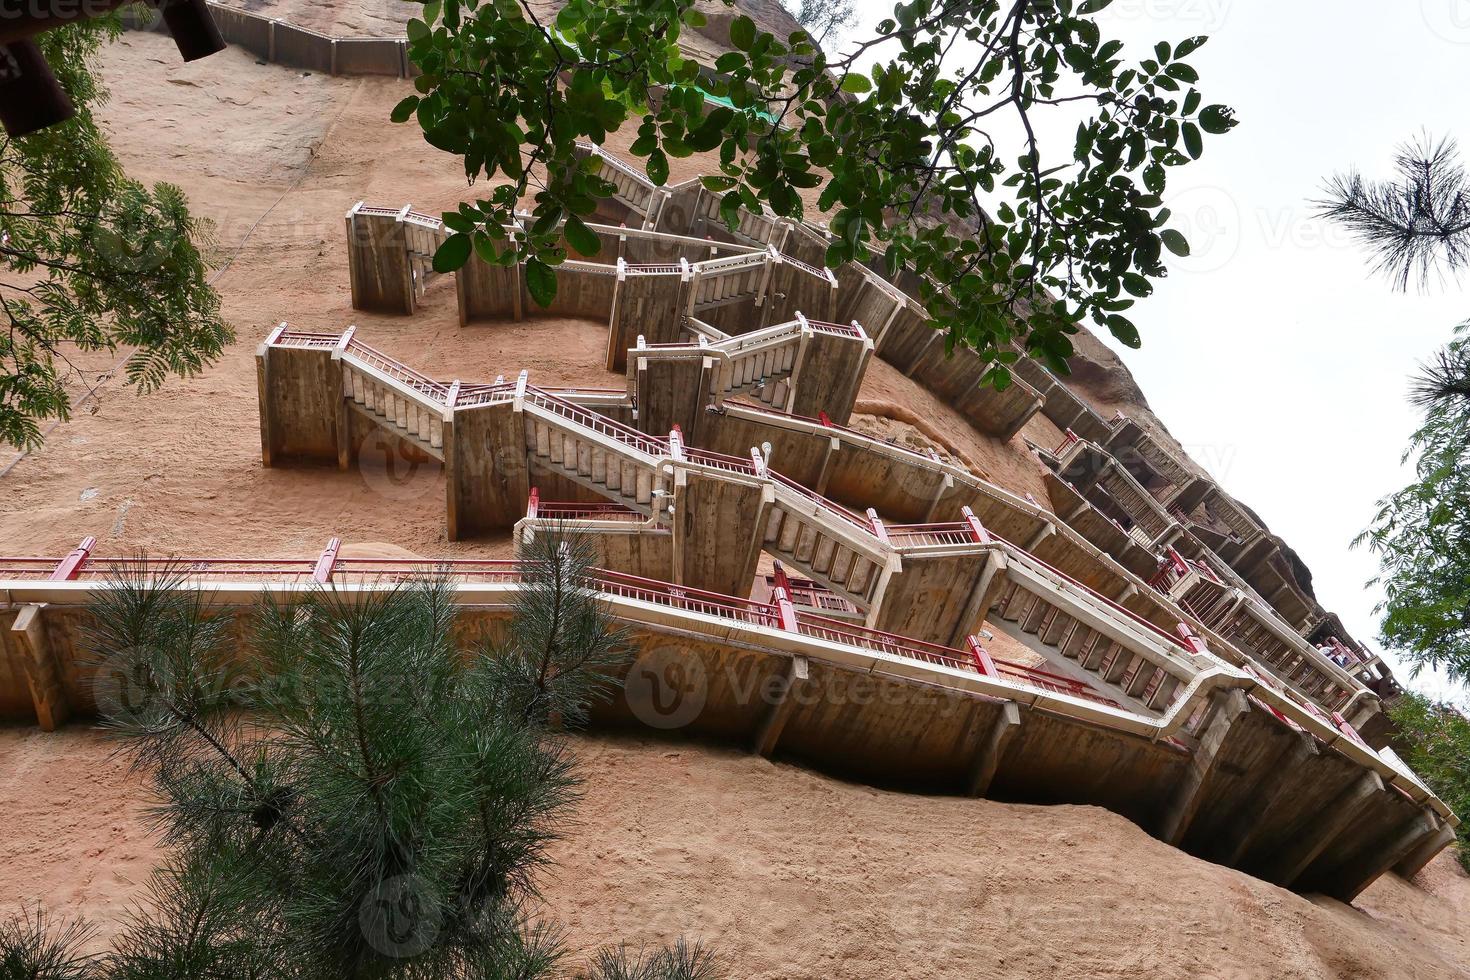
<point x="282" y="43"/>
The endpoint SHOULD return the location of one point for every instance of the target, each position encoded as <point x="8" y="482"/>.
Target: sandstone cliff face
<point x="789" y="873"/>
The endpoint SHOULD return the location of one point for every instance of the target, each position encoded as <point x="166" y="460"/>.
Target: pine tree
<point x="346" y="790"/>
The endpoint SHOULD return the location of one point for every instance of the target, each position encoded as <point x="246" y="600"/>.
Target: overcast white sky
<point x="1272" y="353"/>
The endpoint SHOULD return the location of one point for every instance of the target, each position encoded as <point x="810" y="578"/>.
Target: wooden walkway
<point x="1225" y="765"/>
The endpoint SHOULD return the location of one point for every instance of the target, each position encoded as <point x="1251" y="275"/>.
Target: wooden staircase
<point x="827" y="543"/>
<point x="721" y="282"/>
<point x="597" y="453"/>
<point x="1094" y="651"/>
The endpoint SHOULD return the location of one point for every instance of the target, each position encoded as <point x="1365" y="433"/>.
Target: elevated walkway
<point x="801" y="366"/>
<point x="1232" y="770"/>
<point x="390" y="256"/>
<point x="933" y="582"/>
<point x="1241" y="617"/>
<point x="1140" y="499"/>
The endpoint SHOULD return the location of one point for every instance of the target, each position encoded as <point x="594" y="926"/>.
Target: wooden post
<point x="981" y="657"/>
<point x="43" y="674"/>
<point x="992" y="746"/>
<point x="768" y="732"/>
<point x="977" y="530"/>
<point x="263" y="395"/>
<point x="343" y="422"/>
<point x="69" y="567"/>
<point x="1190" y="792"/>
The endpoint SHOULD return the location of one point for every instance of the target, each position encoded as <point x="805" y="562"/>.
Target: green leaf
<point x="857" y="83"/>
<point x="568" y="17"/>
<point x="694" y="18"/>
<point x="658" y="168"/>
<point x="1217" y="119"/>
<point x="1093" y="6"/>
<point x="455" y="221"/>
<point x="729" y="61"/>
<point x="540" y="281"/>
<point x="485" y="249"/>
<point x="417" y="29"/>
<point x="742" y="32"/>
<point x="1124" y="330"/>
<point x="1175" y="242"/>
<point x="1194" y="144"/>
<point x="583" y="240"/>
<point x="404" y="109"/>
<point x="453" y="254"/>
<point x="1137" y="285"/>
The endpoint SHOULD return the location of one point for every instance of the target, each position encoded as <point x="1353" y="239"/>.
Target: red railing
<point x="1111" y="603"/>
<point x="1048" y="681"/>
<point x="823" y="504"/>
<point x="330" y="568"/>
<point x="651" y="445"/>
<point x="851" y="634"/>
<point x="689" y="600"/>
<point x="733" y="464"/>
<point x="837" y="631"/>
<point x="928" y="535"/>
<point x="556" y="510"/>
<point x="804" y="592"/>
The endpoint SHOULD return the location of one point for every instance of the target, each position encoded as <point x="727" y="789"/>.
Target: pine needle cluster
<point x="347" y="788"/>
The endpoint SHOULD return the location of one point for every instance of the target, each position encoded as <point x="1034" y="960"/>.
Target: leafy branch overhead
<point x="918" y="144"/>
<point x="91" y="260"/>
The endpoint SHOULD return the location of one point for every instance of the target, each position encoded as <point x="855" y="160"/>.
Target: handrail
<point x="730" y="263"/>
<point x="922" y="535"/>
<point x="835" y="329"/>
<point x="557" y="510"/>
<point x="397" y="370"/>
<point x="640" y="441"/>
<point x="823" y="504"/>
<point x="1111" y="603"/>
<point x="733" y="464"/>
<point x="810" y="270"/>
<point x="1184" y="710"/>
